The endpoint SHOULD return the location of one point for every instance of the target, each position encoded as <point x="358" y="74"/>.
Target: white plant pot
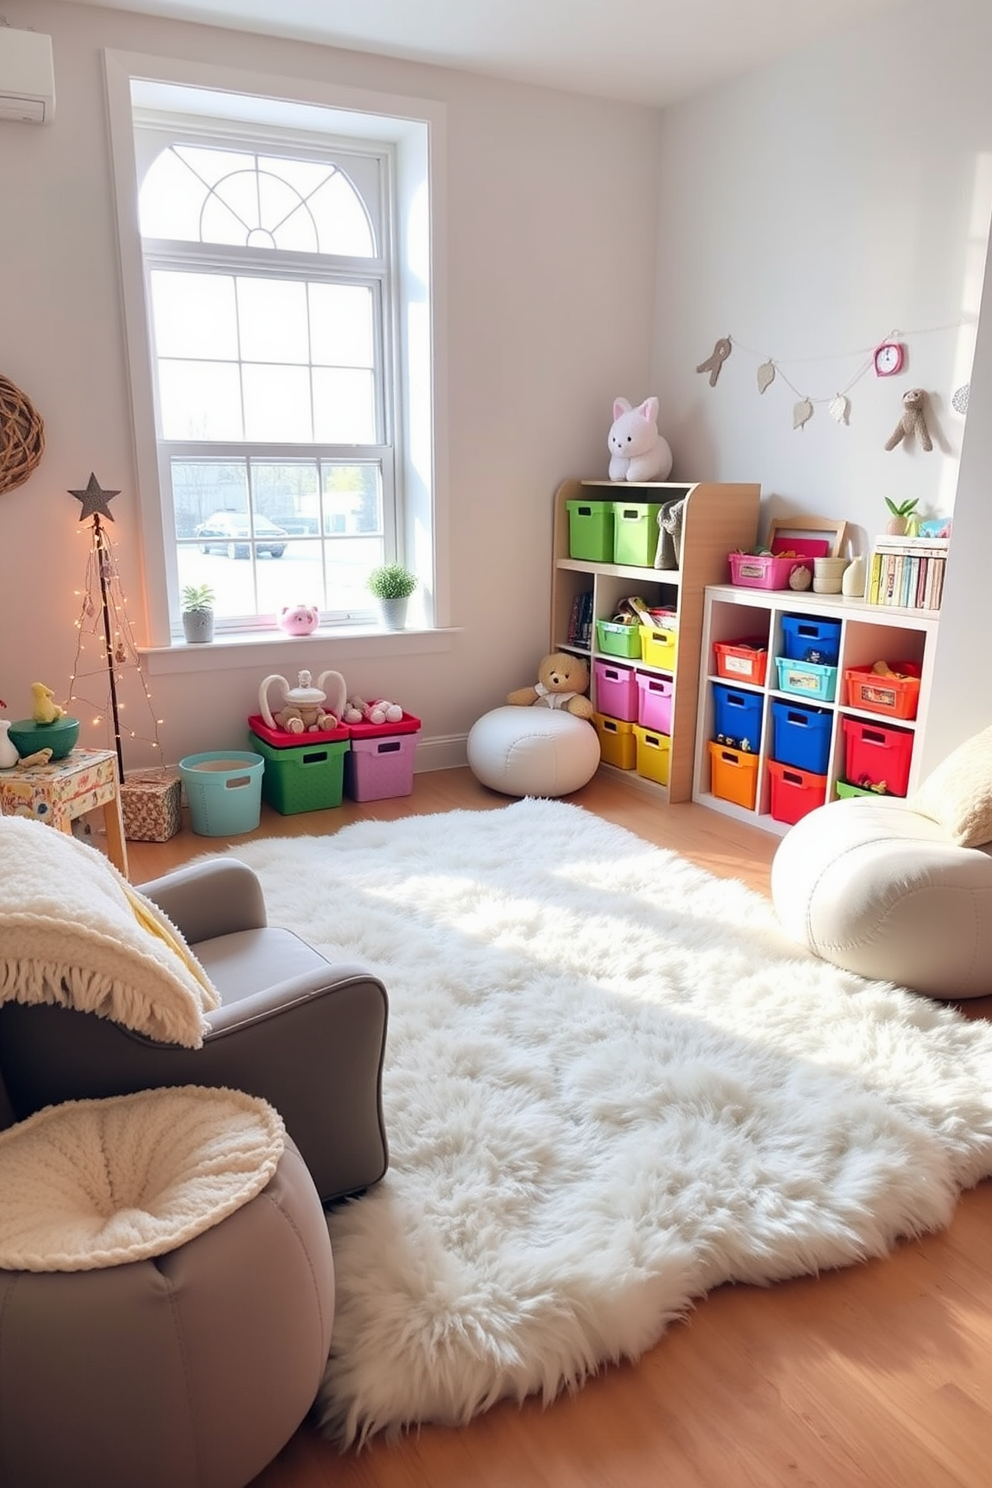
<point x="393" y="613"/>
<point x="198" y="626"/>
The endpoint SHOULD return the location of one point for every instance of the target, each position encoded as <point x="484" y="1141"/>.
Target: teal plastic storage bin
<point x="635" y="532"/>
<point x="223" y="791"/>
<point x="590" y="530"/>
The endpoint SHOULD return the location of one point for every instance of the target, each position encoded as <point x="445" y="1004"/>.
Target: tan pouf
<point x="166" y="1292"/>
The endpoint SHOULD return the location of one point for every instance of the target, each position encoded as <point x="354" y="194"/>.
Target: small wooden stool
<point x="60" y="791"/>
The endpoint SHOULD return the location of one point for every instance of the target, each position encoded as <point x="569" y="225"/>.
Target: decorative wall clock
<point x="889" y="358"/>
<point x="22" y="436"/>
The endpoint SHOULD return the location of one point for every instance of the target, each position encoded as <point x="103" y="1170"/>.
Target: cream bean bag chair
<point x="899" y="890"/>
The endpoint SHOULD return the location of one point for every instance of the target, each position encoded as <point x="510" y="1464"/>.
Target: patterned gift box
<point x="151" y="804"/>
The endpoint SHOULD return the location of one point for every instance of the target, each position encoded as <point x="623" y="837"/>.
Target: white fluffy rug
<point x="610" y="1086"/>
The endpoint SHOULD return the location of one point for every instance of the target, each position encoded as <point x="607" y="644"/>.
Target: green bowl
<point x="60" y="737"/>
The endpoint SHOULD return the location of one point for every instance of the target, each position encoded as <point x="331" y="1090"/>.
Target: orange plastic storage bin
<point x="733" y="775"/>
<point x="897" y="697"/>
<point x="742" y="661"/>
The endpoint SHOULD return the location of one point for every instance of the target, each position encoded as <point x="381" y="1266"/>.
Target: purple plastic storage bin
<point x="376" y="768"/>
<point x="616" y="691"/>
<point x="654" y="702"/>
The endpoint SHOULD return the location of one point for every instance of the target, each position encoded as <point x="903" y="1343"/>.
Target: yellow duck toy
<point x="44" y="709"/>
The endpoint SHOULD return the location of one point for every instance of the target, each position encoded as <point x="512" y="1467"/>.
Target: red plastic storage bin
<point x="876" y="756"/>
<point x="795" y="792"/>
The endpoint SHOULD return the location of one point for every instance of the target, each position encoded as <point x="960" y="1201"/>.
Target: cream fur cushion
<point x="73" y="932"/>
<point x="102" y="1182"/>
<point x="958" y="794"/>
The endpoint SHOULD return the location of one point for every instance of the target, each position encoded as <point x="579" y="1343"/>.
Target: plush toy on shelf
<point x="380" y="710"/>
<point x="298" y="620"/>
<point x="637" y="450"/>
<point x="562" y="680"/>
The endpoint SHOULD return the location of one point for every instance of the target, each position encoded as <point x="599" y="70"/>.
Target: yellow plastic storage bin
<point x="617" y="744"/>
<point x="658" y="647"/>
<point x="654" y="753"/>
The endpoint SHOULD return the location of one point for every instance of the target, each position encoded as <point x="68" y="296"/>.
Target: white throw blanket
<point x="73" y="932"/>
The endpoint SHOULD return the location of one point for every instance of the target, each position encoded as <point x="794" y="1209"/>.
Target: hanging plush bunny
<point x="637" y="450"/>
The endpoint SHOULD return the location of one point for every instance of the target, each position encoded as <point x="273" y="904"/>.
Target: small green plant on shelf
<point x="392" y="581"/>
<point x="903" y="522"/>
<point x="197" y="598"/>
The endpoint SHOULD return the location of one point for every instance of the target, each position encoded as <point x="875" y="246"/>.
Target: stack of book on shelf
<point x="580" y="621"/>
<point x="907" y="572"/>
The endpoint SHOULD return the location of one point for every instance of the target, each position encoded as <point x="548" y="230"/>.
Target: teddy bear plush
<point x="637" y="450"/>
<point x="304" y="718"/>
<point x="561" y="683"/>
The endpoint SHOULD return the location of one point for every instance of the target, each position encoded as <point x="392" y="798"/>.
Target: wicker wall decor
<point x="22" y="436"/>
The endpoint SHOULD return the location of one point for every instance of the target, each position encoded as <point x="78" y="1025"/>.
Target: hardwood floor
<point x="875" y="1376"/>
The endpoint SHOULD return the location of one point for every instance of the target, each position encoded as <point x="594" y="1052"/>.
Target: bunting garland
<point x="838" y="402"/>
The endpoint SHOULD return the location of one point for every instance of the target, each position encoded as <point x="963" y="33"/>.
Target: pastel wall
<point x="548" y="285"/>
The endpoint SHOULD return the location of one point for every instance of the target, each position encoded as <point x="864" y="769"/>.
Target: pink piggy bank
<point x="298" y="619"/>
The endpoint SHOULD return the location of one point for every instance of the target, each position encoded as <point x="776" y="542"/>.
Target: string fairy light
<point x="105" y="645"/>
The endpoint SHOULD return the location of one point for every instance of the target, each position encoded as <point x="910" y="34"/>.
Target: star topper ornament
<point x="95" y="501"/>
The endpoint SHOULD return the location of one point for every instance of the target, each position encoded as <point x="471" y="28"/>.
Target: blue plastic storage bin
<point x="808" y="638"/>
<point x="737" y="717"/>
<point x="801" y="736"/>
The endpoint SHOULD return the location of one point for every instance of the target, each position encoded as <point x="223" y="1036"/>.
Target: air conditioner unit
<point x="27" y="76"/>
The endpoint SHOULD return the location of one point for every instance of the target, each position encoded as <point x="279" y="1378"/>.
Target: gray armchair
<point x="303" y="1033"/>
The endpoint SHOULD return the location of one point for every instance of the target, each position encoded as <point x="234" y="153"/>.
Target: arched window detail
<point x="197" y="194"/>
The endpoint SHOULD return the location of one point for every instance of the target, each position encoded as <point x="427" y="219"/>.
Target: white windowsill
<point x="318" y="651"/>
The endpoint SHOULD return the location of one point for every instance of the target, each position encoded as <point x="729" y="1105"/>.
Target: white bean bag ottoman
<point x="872" y="885"/>
<point x="533" y="751"/>
<point x="166" y="1292"/>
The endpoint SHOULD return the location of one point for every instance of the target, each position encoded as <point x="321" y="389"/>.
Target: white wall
<point x="549" y="292"/>
<point x="808" y="209"/>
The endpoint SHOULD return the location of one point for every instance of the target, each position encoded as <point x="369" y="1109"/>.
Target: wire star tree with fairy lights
<point x="105" y="646"/>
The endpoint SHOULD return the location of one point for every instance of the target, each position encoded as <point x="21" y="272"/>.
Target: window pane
<point x="200" y="400"/>
<point x="194" y="315"/>
<point x="277" y="404"/>
<point x="341" y="220"/>
<point x="201" y="487"/>
<point x="341" y="325"/>
<point x="272" y="318"/>
<point x="343" y="406"/>
<point x="231" y="212"/>
<point x="287" y="492"/>
<point x="352" y="498"/>
<point x="348" y="565"/>
<point x="170" y="200"/>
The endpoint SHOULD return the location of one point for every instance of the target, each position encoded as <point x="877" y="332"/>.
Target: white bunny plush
<point x="637" y="450"/>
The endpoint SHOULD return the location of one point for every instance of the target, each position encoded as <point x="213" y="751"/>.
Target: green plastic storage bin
<point x="310" y="778"/>
<point x="619" y="640"/>
<point x="635" y="532"/>
<point x="590" y="530"/>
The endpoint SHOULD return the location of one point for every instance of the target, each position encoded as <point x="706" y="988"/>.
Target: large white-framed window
<point x="276" y="259"/>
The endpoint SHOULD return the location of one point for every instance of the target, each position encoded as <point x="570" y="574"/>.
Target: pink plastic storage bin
<point x="654" y="702"/>
<point x="376" y="768"/>
<point x="616" y="691"/>
<point x="762" y="570"/>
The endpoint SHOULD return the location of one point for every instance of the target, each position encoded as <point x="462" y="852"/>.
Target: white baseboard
<point x="440" y="753"/>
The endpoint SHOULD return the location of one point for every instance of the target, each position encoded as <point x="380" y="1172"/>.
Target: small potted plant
<point x="903" y="522"/>
<point x="198" y="613"/>
<point x="392" y="585"/>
